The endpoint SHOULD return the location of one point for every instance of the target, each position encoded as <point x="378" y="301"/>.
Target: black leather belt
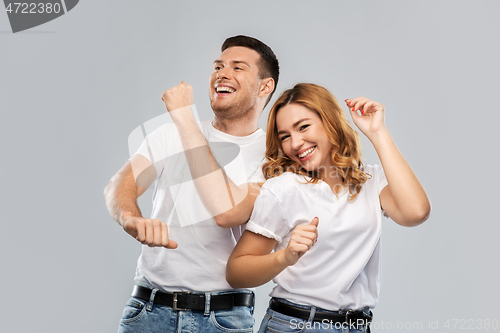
<point x="196" y="302"/>
<point x="350" y="317"/>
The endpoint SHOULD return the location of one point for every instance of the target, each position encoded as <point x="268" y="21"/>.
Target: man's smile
<point x="224" y="89"/>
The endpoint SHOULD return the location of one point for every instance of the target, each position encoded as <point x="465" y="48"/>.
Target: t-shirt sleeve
<point x="154" y="147"/>
<point x="380" y="178"/>
<point x="381" y="181"/>
<point x="268" y="218"/>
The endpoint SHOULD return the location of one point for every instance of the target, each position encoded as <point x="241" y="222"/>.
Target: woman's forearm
<point x="247" y="271"/>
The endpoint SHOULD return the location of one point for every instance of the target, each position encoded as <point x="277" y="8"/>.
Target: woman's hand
<point x="371" y="120"/>
<point x="302" y="239"/>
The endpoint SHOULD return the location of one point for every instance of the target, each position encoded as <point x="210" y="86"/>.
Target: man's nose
<point x="223" y="73"/>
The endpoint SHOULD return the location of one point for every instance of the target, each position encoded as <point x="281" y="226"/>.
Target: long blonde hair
<point x="346" y="151"/>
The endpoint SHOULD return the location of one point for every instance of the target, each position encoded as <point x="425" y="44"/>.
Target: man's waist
<point x="196" y="301"/>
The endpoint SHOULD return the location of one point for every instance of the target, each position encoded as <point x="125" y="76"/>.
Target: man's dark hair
<point x="268" y="65"/>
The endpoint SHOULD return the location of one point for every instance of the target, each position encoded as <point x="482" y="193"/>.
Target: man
<point x="180" y="278"/>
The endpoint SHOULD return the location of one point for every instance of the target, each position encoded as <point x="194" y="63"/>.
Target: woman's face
<point x="303" y="137"/>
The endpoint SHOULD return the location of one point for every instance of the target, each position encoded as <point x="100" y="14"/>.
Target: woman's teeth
<point x="307" y="152"/>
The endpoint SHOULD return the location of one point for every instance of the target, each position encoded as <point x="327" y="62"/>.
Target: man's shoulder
<point x="169" y="128"/>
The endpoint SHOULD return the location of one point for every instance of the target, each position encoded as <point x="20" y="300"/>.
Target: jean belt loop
<point x="149" y="307"/>
<point x="253" y="306"/>
<point x="207" y="304"/>
<point x="311" y="314"/>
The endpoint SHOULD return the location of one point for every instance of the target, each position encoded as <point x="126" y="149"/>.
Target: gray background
<point x="73" y="89"/>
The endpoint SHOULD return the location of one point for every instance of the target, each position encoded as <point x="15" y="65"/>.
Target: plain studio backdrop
<point x="73" y="89"/>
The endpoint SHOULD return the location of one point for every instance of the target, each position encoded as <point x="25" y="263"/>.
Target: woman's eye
<point x="303" y="127"/>
<point x="284" y="137"/>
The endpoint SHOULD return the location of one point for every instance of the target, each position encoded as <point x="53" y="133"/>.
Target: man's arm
<point x="230" y="205"/>
<point x="121" y="200"/>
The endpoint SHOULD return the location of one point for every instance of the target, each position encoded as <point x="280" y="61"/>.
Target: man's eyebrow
<point x="235" y="62"/>
<point x="297" y="123"/>
<point x="240" y="62"/>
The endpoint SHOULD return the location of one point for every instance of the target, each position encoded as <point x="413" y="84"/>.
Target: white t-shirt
<point x="342" y="270"/>
<point x="199" y="262"/>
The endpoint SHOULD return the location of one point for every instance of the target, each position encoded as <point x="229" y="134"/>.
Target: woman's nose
<point x="297" y="142"/>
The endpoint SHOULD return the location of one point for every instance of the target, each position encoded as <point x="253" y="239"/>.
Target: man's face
<point x="234" y="83"/>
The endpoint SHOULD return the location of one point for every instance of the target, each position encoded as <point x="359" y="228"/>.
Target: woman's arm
<point x="404" y="199"/>
<point x="252" y="264"/>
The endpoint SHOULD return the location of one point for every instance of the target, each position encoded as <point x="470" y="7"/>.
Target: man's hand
<point x="178" y="97"/>
<point x="302" y="239"/>
<point x="150" y="232"/>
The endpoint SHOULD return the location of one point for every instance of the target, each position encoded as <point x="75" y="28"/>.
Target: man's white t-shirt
<point x="342" y="270"/>
<point x="199" y="262"/>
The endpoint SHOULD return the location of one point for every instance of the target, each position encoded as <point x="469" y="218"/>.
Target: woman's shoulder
<point x="370" y="167"/>
<point x="285" y="177"/>
<point x="284" y="182"/>
<point x="377" y="181"/>
<point x="373" y="169"/>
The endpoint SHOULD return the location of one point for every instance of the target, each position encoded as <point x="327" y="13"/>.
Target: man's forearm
<point x="219" y="194"/>
<point x="119" y="206"/>
<point x="121" y="196"/>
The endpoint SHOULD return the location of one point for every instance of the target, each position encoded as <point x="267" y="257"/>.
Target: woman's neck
<point x="333" y="179"/>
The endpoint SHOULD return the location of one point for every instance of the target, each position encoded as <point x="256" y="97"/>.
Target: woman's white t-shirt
<point x="342" y="270"/>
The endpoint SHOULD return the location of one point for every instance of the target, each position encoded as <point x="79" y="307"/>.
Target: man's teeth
<point x="224" y="89"/>
<point x="307" y="152"/>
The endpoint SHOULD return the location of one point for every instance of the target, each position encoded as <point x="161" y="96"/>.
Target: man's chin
<point x="221" y="107"/>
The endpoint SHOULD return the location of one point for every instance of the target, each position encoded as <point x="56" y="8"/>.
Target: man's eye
<point x="238" y="68"/>
<point x="218" y="68"/>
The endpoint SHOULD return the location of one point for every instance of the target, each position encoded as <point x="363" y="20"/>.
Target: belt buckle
<point x="174" y="304"/>
<point x="347" y="320"/>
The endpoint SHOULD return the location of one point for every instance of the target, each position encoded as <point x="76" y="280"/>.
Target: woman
<point x="318" y="187"/>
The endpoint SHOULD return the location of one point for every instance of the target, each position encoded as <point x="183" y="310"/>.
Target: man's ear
<point x="266" y="87"/>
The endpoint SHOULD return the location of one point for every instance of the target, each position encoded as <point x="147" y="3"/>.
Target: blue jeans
<point x="275" y="322"/>
<point x="145" y="316"/>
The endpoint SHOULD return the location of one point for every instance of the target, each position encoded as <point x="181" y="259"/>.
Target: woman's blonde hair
<point x="346" y="151"/>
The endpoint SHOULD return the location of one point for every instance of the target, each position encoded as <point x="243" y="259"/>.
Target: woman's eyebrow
<point x="295" y="124"/>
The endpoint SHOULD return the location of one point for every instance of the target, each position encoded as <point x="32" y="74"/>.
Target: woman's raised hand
<point x="303" y="238"/>
<point x="370" y="121"/>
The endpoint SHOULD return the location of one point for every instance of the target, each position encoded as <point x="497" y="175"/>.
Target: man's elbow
<point x="108" y="189"/>
<point x="226" y="220"/>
